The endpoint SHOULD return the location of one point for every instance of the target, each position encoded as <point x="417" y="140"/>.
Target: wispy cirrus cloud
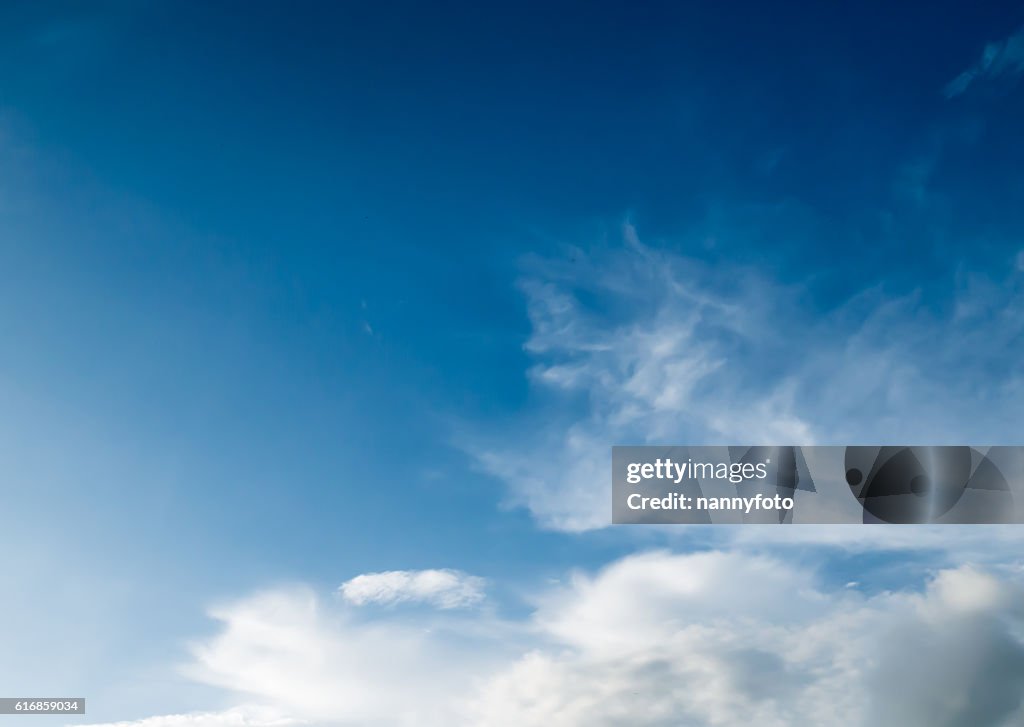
<point x="642" y="346"/>
<point x="1000" y="58"/>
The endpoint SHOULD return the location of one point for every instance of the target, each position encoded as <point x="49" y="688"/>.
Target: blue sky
<point x="290" y="294"/>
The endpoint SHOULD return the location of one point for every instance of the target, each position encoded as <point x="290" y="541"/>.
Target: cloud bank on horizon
<point x="651" y="639"/>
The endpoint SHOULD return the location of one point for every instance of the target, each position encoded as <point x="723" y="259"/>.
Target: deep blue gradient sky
<point x="261" y="263"/>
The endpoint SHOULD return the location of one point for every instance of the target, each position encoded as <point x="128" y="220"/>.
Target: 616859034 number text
<point x="42" y="705"/>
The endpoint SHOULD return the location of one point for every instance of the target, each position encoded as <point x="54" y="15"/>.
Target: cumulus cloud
<point x="1001" y="58"/>
<point x="440" y="588"/>
<point x="643" y="346"/>
<point x="691" y="646"/>
<point x="651" y="640"/>
<point x="320" y="661"/>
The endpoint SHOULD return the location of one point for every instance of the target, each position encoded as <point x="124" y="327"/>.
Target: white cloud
<point x="442" y="588"/>
<point x="242" y="716"/>
<point x="322" y="662"/>
<point x="665" y="639"/>
<point x="652" y="640"/>
<point x="677" y="352"/>
<point x="1002" y="58"/>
